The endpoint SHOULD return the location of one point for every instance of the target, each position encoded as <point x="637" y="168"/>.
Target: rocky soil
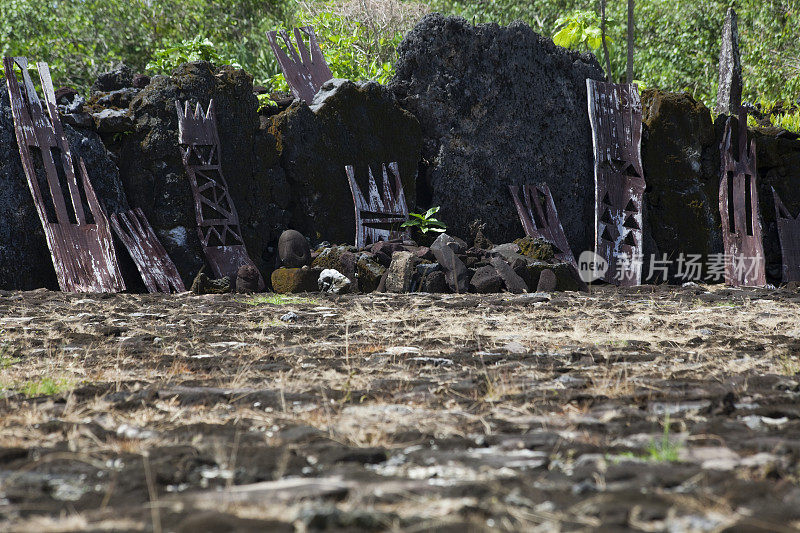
<point x="654" y="409"/>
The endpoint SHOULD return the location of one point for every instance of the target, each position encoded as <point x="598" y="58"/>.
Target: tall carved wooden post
<point x="738" y="208"/>
<point x="615" y="113"/>
<point x="82" y="249"/>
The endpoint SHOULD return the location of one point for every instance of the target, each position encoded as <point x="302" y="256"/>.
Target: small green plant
<point x="6" y="359"/>
<point x="45" y="387"/>
<point x="425" y="222"/>
<point x="278" y="299"/>
<point x="784" y="115"/>
<point x="664" y="450"/>
<point x="580" y="30"/>
<point x="265" y="101"/>
<point x="197" y="49"/>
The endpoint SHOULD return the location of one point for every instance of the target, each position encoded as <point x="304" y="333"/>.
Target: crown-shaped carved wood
<point x="82" y="249"/>
<point x="217" y="219"/>
<point x="378" y="217"/>
<point x="305" y="71"/>
<point x="738" y="207"/>
<point x="615" y="114"/>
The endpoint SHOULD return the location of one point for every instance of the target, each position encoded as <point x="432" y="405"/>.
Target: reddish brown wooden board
<point x="539" y="219"/>
<point x="157" y="269"/>
<point x="306" y="71"/>
<point x="217" y="220"/>
<point x="789" y="236"/>
<point x="379" y="218"/>
<point x="82" y="249"/>
<point x="738" y="208"/>
<point x="615" y="113"/>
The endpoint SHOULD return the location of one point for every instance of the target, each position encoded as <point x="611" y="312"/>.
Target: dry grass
<point x="110" y="379"/>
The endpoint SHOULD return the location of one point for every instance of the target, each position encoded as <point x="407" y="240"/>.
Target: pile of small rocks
<point x="448" y="265"/>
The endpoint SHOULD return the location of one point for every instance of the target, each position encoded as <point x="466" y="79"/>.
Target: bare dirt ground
<point x="655" y="409"/>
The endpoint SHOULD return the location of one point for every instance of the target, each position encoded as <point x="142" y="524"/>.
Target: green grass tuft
<point x="278" y="299"/>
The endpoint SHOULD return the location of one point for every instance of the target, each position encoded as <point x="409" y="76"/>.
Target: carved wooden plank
<point x="738" y="208"/>
<point x="379" y="217"/>
<point x="305" y="73"/>
<point x="789" y="236"/>
<point x="615" y="113"/>
<point x="217" y="220"/>
<point x="157" y="269"/>
<point x="539" y="219"/>
<point x="82" y="251"/>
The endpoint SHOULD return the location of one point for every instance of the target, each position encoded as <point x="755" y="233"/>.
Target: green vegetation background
<point x="677" y="41"/>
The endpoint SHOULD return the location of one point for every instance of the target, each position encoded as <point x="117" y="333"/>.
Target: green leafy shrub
<point x="784" y="115"/>
<point x="358" y="38"/>
<point x="197" y="49"/>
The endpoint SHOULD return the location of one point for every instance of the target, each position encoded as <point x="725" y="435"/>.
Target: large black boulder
<point x="25" y="261"/>
<point x="778" y="155"/>
<point x="498" y="106"/>
<point x="681" y="161"/>
<point x="347" y="124"/>
<point x="155" y="180"/>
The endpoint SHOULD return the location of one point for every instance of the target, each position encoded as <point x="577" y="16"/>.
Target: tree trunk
<point x="603" y="34"/>
<point x="630" y="41"/>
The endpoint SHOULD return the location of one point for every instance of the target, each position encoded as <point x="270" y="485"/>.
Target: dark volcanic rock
<point x="486" y="280"/>
<point x="513" y="282"/>
<point x="202" y="284"/>
<point x="369" y="272"/>
<point x="155" y="179"/>
<point x="778" y="166"/>
<point x="113" y="121"/>
<point x="354" y="125"/>
<point x="498" y="106"/>
<point x="456" y="272"/>
<point x="293" y="249"/>
<point x="680" y="156"/>
<point x="247" y="279"/>
<point x="547" y="281"/>
<point x="140" y="81"/>
<point x="118" y="78"/>
<point x="434" y="282"/>
<point x="25" y="261"/>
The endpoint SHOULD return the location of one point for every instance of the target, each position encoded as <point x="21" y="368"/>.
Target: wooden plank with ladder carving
<point x="80" y="243"/>
<point x="217" y="219"/>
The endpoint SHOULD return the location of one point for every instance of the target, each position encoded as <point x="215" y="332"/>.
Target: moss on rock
<point x="536" y="248"/>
